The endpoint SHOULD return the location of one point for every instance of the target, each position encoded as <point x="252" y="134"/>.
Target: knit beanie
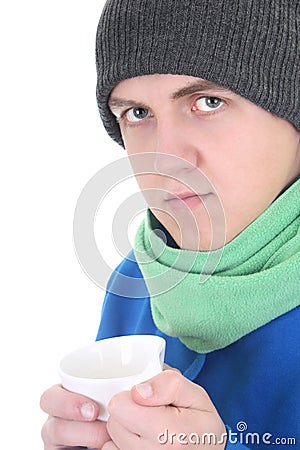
<point x="251" y="47"/>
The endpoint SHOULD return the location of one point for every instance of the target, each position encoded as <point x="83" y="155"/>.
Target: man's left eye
<point x="207" y="104"/>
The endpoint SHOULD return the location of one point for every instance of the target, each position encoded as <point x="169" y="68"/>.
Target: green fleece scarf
<point x="256" y="278"/>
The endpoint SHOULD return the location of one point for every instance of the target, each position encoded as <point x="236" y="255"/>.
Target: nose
<point x="174" y="148"/>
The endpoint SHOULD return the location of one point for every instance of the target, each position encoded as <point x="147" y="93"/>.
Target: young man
<point x="204" y="96"/>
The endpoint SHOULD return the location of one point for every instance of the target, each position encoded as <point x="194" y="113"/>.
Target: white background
<point x="52" y="142"/>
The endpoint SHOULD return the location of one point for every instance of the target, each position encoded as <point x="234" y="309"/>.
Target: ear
<point x="298" y="135"/>
<point x="298" y="155"/>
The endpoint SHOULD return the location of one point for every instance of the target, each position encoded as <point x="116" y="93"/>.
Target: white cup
<point x="106" y="367"/>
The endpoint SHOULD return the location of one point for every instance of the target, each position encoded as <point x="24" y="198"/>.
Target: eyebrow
<point x="190" y="88"/>
<point x="201" y="86"/>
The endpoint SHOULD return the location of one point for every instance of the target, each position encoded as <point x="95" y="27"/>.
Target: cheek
<point x="149" y="185"/>
<point x="262" y="149"/>
<point x="277" y="154"/>
<point x="145" y="181"/>
<point x="138" y="139"/>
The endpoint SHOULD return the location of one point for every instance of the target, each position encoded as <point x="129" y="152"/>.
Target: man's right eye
<point x="136" y="114"/>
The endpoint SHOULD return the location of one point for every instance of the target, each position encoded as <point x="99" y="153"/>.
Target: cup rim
<point x="63" y="374"/>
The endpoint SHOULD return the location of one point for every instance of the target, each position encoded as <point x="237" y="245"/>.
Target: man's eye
<point x="136" y="114"/>
<point x="207" y="104"/>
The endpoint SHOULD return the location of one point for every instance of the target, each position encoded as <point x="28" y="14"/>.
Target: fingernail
<point x="145" y="390"/>
<point x="87" y="411"/>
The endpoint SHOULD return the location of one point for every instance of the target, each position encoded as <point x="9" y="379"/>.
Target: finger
<point x="64" y="433"/>
<point x="171" y="388"/>
<point x="148" y="421"/>
<point x="58" y="402"/>
<point x="167" y="367"/>
<point x="133" y="417"/>
<point x="109" y="446"/>
<point x="122" y="437"/>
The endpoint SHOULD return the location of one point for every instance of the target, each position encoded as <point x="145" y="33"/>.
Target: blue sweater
<point x="254" y="383"/>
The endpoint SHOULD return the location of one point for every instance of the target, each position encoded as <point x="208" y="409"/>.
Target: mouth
<point x="183" y="200"/>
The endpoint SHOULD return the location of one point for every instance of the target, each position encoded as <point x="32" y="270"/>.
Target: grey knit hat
<point x="251" y="47"/>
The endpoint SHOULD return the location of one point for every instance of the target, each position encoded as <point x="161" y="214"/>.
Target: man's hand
<point x="72" y="421"/>
<point x="168" y="412"/>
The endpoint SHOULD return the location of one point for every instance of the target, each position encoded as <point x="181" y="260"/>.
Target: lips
<point x="182" y="195"/>
<point x="183" y="200"/>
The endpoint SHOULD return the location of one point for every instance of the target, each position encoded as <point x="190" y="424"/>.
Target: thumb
<point x="171" y="388"/>
<point x="167" y="367"/>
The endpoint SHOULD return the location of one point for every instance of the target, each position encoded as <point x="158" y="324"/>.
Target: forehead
<point x="175" y="86"/>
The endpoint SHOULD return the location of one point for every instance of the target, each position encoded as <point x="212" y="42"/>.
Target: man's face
<point x="210" y="148"/>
